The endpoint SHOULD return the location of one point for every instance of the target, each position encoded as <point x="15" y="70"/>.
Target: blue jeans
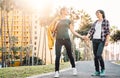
<point x="58" y="45"/>
<point x="98" y="46"/>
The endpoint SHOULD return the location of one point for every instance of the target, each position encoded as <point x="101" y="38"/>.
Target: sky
<point x="110" y="8"/>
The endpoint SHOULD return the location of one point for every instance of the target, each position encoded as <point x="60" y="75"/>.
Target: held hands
<point x="86" y="38"/>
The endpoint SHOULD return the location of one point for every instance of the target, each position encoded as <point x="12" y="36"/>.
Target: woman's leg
<point x="67" y="44"/>
<point x="58" y="46"/>
<point x="99" y="54"/>
<point x="95" y="48"/>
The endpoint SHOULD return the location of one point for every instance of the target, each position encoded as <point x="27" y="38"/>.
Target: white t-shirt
<point x="97" y="34"/>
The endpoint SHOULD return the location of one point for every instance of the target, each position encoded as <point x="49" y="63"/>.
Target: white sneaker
<point x="74" y="71"/>
<point x="56" y="74"/>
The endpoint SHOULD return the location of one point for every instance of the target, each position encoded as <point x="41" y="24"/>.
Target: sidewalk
<point x="85" y="69"/>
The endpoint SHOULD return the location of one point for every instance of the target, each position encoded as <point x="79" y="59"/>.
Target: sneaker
<point x="74" y="71"/>
<point x="56" y="74"/>
<point x="96" y="73"/>
<point x="102" y="73"/>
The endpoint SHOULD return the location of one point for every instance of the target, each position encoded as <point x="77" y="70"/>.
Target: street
<point x="85" y="69"/>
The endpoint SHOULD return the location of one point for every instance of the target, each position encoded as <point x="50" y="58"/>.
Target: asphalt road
<point x="85" y="69"/>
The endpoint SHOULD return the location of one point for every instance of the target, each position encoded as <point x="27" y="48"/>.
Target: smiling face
<point x="99" y="14"/>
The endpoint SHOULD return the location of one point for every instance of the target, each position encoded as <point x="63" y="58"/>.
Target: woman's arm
<point x="107" y="40"/>
<point x="74" y="32"/>
<point x="55" y="26"/>
<point x="108" y="33"/>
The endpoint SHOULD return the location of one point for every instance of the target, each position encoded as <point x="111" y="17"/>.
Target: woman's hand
<point x="85" y="38"/>
<point x="106" y="43"/>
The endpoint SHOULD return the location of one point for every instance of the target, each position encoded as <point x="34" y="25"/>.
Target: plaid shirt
<point x="105" y="29"/>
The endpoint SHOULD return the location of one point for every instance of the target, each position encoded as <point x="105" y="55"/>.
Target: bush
<point x="77" y="55"/>
<point x="28" y="61"/>
<point x="116" y="36"/>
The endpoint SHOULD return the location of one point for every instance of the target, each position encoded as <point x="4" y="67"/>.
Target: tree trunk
<point x="9" y="35"/>
<point x="39" y="46"/>
<point x="2" y="35"/>
<point x="45" y="42"/>
<point x="4" y="39"/>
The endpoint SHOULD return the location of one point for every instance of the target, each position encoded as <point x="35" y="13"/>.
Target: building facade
<point x="21" y="29"/>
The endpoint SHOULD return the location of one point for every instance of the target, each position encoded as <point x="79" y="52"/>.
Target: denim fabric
<point x="98" y="46"/>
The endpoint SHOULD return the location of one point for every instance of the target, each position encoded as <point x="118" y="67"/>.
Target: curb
<point x="115" y="63"/>
<point x="44" y="74"/>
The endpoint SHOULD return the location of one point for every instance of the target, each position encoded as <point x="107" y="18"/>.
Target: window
<point x="35" y="37"/>
<point x="34" y="48"/>
<point x="35" y="43"/>
<point x="35" y="32"/>
<point x="35" y="27"/>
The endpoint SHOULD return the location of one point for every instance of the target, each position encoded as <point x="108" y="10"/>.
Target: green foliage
<point x="77" y="55"/>
<point x="85" y="19"/>
<point x="3" y="49"/>
<point x="0" y="48"/>
<point x="15" y="49"/>
<point x="85" y="22"/>
<point x="37" y="61"/>
<point x="116" y="36"/>
<point x="118" y="62"/>
<point x="13" y="39"/>
<point x="66" y="59"/>
<point x="84" y="30"/>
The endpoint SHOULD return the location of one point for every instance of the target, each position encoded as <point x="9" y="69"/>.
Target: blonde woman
<point x="62" y="38"/>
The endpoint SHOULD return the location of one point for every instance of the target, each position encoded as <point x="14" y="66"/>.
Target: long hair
<point x="102" y="12"/>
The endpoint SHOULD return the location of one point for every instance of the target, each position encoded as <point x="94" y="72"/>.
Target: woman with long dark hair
<point x="99" y="33"/>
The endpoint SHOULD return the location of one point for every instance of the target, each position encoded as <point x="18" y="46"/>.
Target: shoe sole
<point x="74" y="74"/>
<point x="56" y="77"/>
<point x="99" y="75"/>
<point x="102" y="75"/>
<point x="95" y="75"/>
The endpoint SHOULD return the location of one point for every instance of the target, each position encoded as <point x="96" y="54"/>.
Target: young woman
<point x="62" y="38"/>
<point x="99" y="33"/>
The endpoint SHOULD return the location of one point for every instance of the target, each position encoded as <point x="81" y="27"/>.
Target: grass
<point x="118" y="62"/>
<point x="26" y="71"/>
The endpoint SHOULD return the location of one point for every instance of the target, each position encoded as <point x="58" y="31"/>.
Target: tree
<point x="6" y="6"/>
<point x="21" y="49"/>
<point x="116" y="36"/>
<point x="85" y="23"/>
<point x="36" y="60"/>
<point x="78" y="55"/>
<point x="28" y="50"/>
<point x="13" y="48"/>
